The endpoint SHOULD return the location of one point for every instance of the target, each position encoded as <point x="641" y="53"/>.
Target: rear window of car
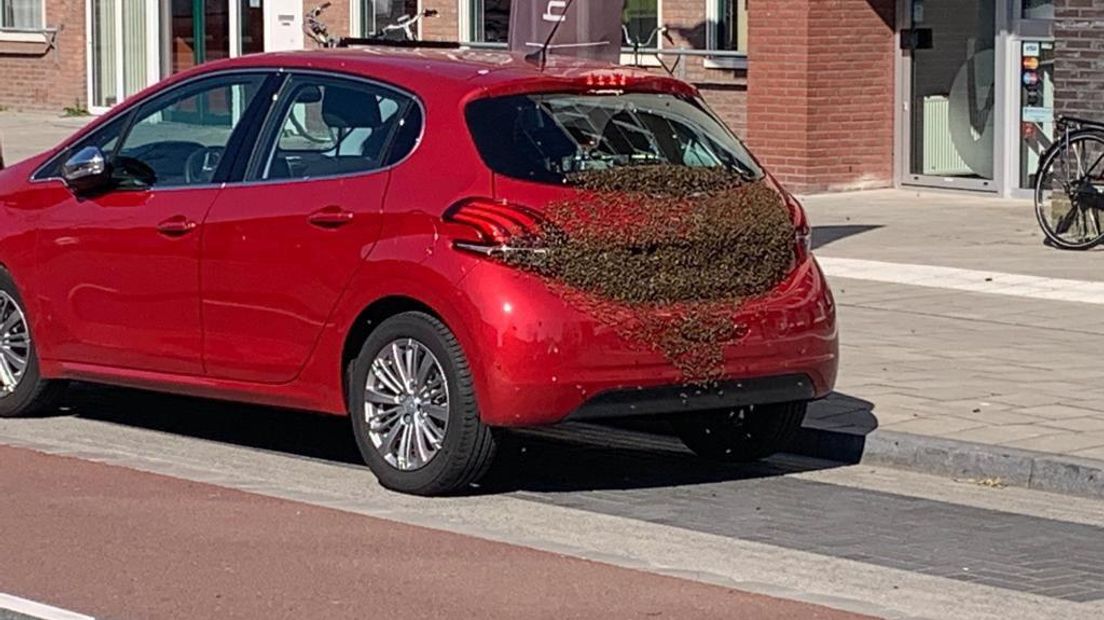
<point x="548" y="137"/>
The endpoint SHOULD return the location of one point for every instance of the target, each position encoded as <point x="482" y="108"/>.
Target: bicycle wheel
<point x="1069" y="191"/>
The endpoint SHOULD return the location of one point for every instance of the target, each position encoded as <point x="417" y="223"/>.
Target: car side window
<point x="179" y="139"/>
<point x="330" y="126"/>
<point x="105" y="138"/>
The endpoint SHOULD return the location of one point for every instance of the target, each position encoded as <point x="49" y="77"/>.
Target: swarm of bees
<point x="665" y="255"/>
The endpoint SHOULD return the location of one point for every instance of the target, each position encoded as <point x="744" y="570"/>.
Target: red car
<point x="315" y="230"/>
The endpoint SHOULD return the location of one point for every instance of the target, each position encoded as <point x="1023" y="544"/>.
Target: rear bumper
<point x="677" y="399"/>
<point x="538" y="360"/>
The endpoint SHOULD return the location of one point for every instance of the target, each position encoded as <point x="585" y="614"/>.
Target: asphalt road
<point x="116" y="543"/>
<point x="130" y="505"/>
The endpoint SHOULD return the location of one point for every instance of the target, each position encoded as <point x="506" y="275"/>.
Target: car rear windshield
<point x="548" y="137"/>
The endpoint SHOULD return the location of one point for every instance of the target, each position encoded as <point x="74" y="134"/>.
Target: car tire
<point x="468" y="446"/>
<point x="742" y="435"/>
<point x="30" y="394"/>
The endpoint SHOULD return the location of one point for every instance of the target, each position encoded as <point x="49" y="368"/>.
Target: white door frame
<point x="153" y="51"/>
<point x="1003" y="178"/>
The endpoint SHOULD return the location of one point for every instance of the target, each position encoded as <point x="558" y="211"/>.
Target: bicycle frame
<point x="317" y="30"/>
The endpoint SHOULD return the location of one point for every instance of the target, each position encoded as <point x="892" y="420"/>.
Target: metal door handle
<point x="330" y="217"/>
<point x="176" y="226"/>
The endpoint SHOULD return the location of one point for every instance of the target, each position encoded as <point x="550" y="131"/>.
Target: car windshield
<point x="548" y="137"/>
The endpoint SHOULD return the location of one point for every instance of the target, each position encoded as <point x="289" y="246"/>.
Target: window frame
<point x="267" y="138"/>
<point x="646" y="59"/>
<point x="12" y="31"/>
<point x="234" y="144"/>
<point x="131" y="112"/>
<point x="356" y="18"/>
<point x="466" y="30"/>
<point x="713" y="12"/>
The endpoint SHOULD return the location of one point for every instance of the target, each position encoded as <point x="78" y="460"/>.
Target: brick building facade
<point x="1079" y="58"/>
<point x="832" y="94"/>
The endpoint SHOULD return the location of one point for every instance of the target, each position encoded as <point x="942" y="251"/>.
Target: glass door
<point x="952" y="93"/>
<point x="122" y="50"/>
<point x="200" y="32"/>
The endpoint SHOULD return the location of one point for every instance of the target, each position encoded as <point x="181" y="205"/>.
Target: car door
<point x="279" y="249"/>
<point x="119" y="270"/>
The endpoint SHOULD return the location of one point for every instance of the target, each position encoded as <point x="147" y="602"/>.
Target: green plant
<point x="77" y="109"/>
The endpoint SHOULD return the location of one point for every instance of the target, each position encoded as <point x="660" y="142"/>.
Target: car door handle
<point x="176" y="226"/>
<point x="330" y="217"/>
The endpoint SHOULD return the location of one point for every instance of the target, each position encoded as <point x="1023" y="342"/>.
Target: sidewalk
<point x="23" y="135"/>
<point x="962" y="352"/>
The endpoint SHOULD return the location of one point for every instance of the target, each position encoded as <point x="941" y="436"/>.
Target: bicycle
<point x="316" y="29"/>
<point x="403" y="30"/>
<point x="639" y="47"/>
<point x="404" y="27"/>
<point x="1069" y="190"/>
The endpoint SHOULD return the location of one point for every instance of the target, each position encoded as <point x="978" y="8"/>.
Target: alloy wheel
<point x="15" y="344"/>
<point x="406" y="404"/>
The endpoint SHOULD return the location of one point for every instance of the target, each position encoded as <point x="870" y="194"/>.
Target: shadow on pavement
<point x="826" y="235"/>
<point x="629" y="454"/>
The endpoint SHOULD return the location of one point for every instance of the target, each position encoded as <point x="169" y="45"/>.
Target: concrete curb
<point x="959" y="459"/>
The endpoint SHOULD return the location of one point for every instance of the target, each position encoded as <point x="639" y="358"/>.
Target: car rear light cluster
<point x="497" y="225"/>
<point x="803" y="233"/>
<point x="607" y="80"/>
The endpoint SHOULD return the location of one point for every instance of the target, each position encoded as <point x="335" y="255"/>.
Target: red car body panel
<point x="259" y="305"/>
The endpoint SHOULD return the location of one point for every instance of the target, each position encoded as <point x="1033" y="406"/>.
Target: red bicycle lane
<point x="117" y="543"/>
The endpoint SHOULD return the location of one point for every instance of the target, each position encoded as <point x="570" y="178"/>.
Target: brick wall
<point x="444" y="27"/>
<point x="52" y="80"/>
<point x="337" y="18"/>
<point x="1079" y="58"/>
<point x="821" y="91"/>
<point x="725" y="90"/>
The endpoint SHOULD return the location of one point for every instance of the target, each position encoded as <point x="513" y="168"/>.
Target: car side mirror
<point x="86" y="171"/>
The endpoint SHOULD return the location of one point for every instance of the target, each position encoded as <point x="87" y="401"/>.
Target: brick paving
<point x="986" y="368"/>
<point x="760" y="503"/>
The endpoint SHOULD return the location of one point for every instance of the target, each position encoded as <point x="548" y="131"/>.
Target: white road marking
<point x="40" y="611"/>
<point x="974" y="281"/>
<point x="639" y="545"/>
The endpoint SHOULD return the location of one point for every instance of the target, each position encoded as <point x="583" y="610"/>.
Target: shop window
<point x="1038" y="9"/>
<point x="641" y="19"/>
<point x="728" y="21"/>
<point x="24" y="14"/>
<point x="375" y="15"/>
<point x="488" y="21"/>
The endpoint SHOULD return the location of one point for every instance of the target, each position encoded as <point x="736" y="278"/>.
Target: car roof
<point x="419" y="69"/>
<point x="444" y="74"/>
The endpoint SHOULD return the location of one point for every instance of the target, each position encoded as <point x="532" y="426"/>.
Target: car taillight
<point x="607" y="79"/>
<point x="803" y="233"/>
<point x="496" y="223"/>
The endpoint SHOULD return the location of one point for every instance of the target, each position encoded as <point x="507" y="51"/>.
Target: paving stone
<point x="939" y="426"/>
<point x="1061" y="443"/>
<point x="1005" y="550"/>
<point x="1003" y="433"/>
<point x="1086" y="424"/>
<point x="1091" y="453"/>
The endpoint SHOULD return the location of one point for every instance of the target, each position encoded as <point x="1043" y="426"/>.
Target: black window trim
<point x="246" y="124"/>
<point x="265" y="142"/>
<point x="132" y="111"/>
